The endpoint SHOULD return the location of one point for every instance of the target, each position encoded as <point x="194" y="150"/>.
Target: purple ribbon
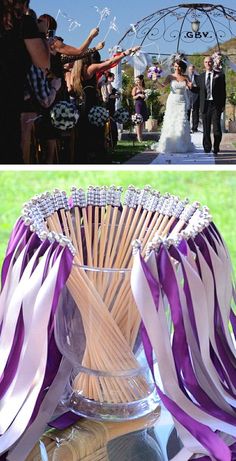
<point x="19" y="230"/>
<point x="204" y="434"/>
<point x="223" y="349"/>
<point x="54" y="356"/>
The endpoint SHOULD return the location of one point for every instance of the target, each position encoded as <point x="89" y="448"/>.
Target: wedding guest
<point x="40" y="94"/>
<point x="194" y="103"/>
<point x="212" y="92"/>
<point x="138" y="93"/>
<point x="84" y="78"/>
<point x="21" y="45"/>
<point x="110" y="96"/>
<point x="60" y="54"/>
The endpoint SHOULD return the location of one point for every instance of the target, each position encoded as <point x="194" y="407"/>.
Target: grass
<point x="212" y="188"/>
<point x="127" y="149"/>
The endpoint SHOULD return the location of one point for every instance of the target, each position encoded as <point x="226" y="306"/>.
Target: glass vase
<point x="98" y="330"/>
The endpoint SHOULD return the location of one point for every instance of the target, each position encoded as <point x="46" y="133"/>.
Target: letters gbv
<point x="197" y="35"/>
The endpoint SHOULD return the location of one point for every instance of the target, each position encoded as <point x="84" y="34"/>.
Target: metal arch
<point x="163" y="10"/>
<point x="216" y="36"/>
<point x="223" y="17"/>
<point x="181" y="28"/>
<point x="160" y="19"/>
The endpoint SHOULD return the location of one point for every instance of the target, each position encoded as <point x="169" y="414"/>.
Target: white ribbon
<point x="35" y="353"/>
<point x="220" y="274"/>
<point x="200" y="309"/>
<point x="157" y="328"/>
<point x="140" y="62"/>
<point x="13" y="307"/>
<point x="209" y="287"/>
<point x="12" y="279"/>
<point x="46" y="410"/>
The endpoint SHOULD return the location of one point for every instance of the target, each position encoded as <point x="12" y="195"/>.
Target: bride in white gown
<point x="175" y="134"/>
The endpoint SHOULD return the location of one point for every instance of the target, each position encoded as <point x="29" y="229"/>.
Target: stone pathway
<point x="227" y="156"/>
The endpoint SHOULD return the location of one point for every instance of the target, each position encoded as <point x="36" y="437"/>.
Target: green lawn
<point x="127" y="149"/>
<point x="214" y="189"/>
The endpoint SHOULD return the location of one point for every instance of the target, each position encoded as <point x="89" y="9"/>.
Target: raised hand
<point x="100" y="46"/>
<point x="135" y="49"/>
<point x="94" y="32"/>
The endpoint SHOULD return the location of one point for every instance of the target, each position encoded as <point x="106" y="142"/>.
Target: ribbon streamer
<point x="197" y="360"/>
<point x="112" y="26"/>
<point x="104" y="13"/>
<point x="73" y="23"/>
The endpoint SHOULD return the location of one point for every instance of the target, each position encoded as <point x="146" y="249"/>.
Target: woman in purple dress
<point x="139" y="97"/>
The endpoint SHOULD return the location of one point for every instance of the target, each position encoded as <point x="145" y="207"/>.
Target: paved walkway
<point x="227" y="156"/>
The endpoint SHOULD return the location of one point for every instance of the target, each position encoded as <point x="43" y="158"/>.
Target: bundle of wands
<point x="55" y="244"/>
<point x="102" y="231"/>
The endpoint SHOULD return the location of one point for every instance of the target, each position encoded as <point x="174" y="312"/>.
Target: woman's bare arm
<point x="69" y="50"/>
<point x="166" y="82"/>
<point x="39" y="52"/>
<point x="106" y="65"/>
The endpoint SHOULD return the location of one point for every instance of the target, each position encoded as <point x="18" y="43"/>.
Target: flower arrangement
<point x="219" y="60"/>
<point x="154" y="72"/>
<point x="137" y="119"/>
<point x="151" y="97"/>
<point x="122" y="116"/>
<point x="64" y="115"/>
<point x="98" y="116"/>
<point x="151" y="93"/>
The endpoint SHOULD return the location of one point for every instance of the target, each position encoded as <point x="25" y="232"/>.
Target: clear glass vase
<point x="98" y="330"/>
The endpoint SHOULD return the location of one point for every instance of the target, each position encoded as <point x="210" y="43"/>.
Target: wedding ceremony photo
<point x="94" y="86"/>
<point x="117" y="230"/>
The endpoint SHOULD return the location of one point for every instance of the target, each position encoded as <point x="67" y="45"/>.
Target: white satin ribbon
<point x="200" y="309"/>
<point x="46" y="411"/>
<point x="12" y="279"/>
<point x="200" y="370"/>
<point x="13" y="307"/>
<point x="220" y="271"/>
<point x="208" y="280"/>
<point x="157" y="328"/>
<point x="35" y="353"/>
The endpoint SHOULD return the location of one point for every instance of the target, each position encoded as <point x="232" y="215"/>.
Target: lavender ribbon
<point x="55" y="379"/>
<point x="204" y="434"/>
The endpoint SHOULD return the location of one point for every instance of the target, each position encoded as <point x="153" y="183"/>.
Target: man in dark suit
<point x="212" y="92"/>
<point x="193" y="100"/>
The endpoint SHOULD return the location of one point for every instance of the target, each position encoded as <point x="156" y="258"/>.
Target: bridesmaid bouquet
<point x="64" y="115"/>
<point x="98" y="116"/>
<point x="154" y="72"/>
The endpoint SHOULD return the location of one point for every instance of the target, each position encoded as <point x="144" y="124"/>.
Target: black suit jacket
<point x="218" y="90"/>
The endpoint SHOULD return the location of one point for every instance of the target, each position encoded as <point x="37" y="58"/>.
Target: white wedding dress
<point x="175" y="134"/>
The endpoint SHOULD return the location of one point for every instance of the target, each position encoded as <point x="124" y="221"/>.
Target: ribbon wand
<point x="135" y="34"/>
<point x="103" y="14"/>
<point x="58" y="14"/>
<point x="112" y="26"/>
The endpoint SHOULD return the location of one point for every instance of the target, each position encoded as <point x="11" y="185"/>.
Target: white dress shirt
<point x="211" y="73"/>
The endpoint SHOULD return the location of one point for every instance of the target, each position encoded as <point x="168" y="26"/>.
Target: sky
<point x="83" y="12"/>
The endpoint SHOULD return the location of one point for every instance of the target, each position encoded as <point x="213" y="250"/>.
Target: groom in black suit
<point x="212" y="90"/>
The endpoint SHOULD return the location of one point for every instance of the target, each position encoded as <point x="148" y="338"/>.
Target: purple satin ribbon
<point x="54" y="356"/>
<point x="180" y="344"/>
<point x="53" y="376"/>
<point x="223" y="349"/>
<point x="19" y="230"/>
<point x="64" y="421"/>
<point x="202" y="433"/>
<point x="14" y="356"/>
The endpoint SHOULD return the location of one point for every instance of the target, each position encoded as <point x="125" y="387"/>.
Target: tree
<point x="232" y="101"/>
